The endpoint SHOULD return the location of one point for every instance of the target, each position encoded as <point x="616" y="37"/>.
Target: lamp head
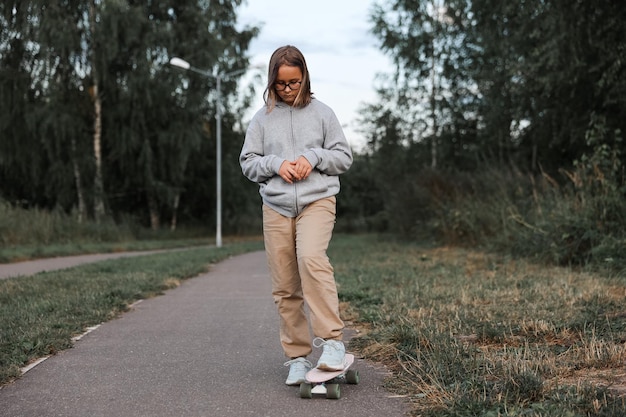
<point x="180" y="63"/>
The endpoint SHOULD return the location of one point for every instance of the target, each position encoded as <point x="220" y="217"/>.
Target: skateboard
<point x="327" y="382"/>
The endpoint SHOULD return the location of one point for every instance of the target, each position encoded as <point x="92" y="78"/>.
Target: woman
<point x="295" y="149"/>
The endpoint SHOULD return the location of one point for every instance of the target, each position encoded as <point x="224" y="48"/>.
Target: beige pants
<point x="301" y="271"/>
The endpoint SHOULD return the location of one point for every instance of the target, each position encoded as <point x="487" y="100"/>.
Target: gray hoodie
<point x="287" y="133"/>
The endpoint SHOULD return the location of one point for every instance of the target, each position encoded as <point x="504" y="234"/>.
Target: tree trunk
<point x="434" y="150"/>
<point x="80" y="193"/>
<point x="153" y="208"/>
<point x="433" y="112"/>
<point x="175" y="211"/>
<point x="98" y="202"/>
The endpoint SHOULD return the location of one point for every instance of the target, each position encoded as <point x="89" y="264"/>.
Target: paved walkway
<point x="207" y="348"/>
<point x="53" y="264"/>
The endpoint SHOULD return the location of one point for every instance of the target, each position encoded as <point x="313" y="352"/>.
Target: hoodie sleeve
<point x="255" y="165"/>
<point x="335" y="155"/>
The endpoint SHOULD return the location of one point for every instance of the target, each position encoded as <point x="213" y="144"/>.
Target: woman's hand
<point x="303" y="168"/>
<point x="297" y="170"/>
<point x="287" y="172"/>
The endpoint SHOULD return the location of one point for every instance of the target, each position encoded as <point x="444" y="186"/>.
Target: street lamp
<point x="181" y="63"/>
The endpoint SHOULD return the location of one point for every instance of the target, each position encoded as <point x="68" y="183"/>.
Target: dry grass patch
<point x="470" y="333"/>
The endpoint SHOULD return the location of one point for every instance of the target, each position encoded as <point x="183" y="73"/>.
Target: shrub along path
<point x="207" y="348"/>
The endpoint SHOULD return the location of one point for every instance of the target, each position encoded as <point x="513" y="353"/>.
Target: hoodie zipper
<point x="293" y="157"/>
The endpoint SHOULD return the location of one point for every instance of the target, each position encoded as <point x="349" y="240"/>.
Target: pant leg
<point x="280" y="247"/>
<point x="314" y="228"/>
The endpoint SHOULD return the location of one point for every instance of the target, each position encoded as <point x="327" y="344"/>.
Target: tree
<point x="20" y="167"/>
<point x="490" y="86"/>
<point x="94" y="116"/>
<point x="431" y="83"/>
<point x="513" y="83"/>
<point x="94" y="92"/>
<point x="162" y="114"/>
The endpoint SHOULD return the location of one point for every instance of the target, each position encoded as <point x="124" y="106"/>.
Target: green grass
<point x="474" y="334"/>
<point x="41" y="313"/>
<point x="36" y="233"/>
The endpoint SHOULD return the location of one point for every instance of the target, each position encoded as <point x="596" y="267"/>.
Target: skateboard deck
<point x="327" y="382"/>
<point x="317" y="376"/>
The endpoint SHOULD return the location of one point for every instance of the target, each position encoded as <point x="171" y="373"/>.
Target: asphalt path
<point x="207" y="348"/>
<point x="52" y="264"/>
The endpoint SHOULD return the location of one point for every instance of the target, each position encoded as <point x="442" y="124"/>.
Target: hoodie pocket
<point x="275" y="186"/>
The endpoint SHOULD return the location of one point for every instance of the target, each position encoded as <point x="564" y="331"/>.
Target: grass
<point x="468" y="333"/>
<point x="41" y="313"/>
<point x="36" y="233"/>
<point x="464" y="333"/>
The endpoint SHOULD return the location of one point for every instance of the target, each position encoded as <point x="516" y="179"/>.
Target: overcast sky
<point x="334" y="36"/>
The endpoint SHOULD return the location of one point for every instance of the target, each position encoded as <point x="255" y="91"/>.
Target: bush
<point x="579" y="219"/>
<point x="42" y="227"/>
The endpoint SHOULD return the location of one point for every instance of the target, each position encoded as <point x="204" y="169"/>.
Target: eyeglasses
<point x="293" y="85"/>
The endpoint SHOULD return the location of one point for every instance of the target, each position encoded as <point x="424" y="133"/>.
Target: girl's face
<point x="288" y="81"/>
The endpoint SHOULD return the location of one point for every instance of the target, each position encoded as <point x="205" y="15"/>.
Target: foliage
<point x="583" y="221"/>
<point x="577" y="219"/>
<point x="486" y="82"/>
<point x="61" y="61"/>
<point x="499" y="127"/>
<point x="34" y="233"/>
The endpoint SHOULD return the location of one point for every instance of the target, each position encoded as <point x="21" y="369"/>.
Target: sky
<point x="334" y="35"/>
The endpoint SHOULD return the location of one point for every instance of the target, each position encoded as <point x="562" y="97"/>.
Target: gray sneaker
<point x="298" y="368"/>
<point x="333" y="356"/>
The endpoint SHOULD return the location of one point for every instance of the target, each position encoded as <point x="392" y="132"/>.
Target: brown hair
<point x="287" y="55"/>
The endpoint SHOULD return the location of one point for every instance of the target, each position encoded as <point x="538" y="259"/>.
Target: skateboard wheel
<point x="305" y="390"/>
<point x="333" y="392"/>
<point x="352" y="376"/>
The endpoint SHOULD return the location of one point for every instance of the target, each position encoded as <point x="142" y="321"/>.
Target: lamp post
<point x="181" y="63"/>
